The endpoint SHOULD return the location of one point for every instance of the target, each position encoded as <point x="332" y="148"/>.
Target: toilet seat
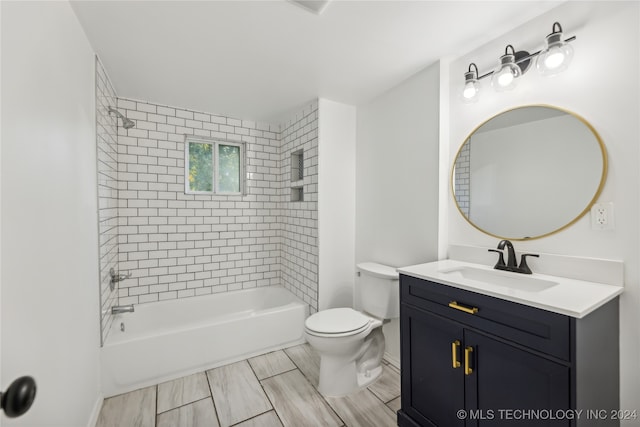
<point x="337" y="322"/>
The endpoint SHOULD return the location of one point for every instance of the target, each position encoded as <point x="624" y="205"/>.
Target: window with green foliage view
<point x="200" y="167"/>
<point x="228" y="168"/>
<point x="213" y="167"/>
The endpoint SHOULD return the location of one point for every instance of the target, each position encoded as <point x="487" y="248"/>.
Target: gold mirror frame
<point x="603" y="176"/>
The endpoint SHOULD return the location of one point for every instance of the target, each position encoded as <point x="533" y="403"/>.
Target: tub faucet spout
<point x="119" y="309"/>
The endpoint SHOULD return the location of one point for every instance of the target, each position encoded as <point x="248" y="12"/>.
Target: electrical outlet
<point x="602" y="216"/>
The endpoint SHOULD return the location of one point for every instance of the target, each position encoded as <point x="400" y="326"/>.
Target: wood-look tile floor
<point x="277" y="389"/>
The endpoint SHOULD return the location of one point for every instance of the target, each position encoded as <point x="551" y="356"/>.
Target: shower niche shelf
<point x="297" y="194"/>
<point x="297" y="176"/>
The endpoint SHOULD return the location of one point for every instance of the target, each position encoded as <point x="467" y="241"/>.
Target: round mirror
<point x="529" y="172"/>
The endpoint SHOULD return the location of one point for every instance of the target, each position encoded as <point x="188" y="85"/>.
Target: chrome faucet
<point x="511" y="264"/>
<point x="119" y="309"/>
<point x="115" y="278"/>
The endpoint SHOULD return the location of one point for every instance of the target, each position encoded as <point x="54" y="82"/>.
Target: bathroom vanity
<point x="481" y="347"/>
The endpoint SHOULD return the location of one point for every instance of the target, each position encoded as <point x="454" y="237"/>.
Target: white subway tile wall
<point x="463" y="178"/>
<point x="107" y="149"/>
<point x="299" y="268"/>
<point x="181" y="245"/>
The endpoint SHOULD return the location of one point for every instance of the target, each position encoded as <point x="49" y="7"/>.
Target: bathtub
<point x="166" y="340"/>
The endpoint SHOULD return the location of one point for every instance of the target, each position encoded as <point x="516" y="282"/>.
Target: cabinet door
<point x="510" y="386"/>
<point x="432" y="389"/>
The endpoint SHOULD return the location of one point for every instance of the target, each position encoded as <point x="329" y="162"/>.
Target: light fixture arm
<point x="506" y="50"/>
<point x="553" y="28"/>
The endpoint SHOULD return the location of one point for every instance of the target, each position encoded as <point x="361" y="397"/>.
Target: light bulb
<point x="469" y="90"/>
<point x="554" y="59"/>
<point x="505" y="77"/>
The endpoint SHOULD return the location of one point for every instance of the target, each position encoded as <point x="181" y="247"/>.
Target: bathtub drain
<point x="122" y="326"/>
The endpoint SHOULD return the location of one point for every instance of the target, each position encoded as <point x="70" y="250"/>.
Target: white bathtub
<point x="170" y="339"/>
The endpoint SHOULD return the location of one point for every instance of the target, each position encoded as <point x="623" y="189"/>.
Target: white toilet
<point x="350" y="342"/>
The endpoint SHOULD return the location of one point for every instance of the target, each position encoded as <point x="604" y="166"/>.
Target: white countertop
<point x="571" y="297"/>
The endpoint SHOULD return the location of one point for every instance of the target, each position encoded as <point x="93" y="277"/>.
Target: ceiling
<point x="260" y="60"/>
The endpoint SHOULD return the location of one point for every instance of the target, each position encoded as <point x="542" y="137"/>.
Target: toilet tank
<point x="378" y="288"/>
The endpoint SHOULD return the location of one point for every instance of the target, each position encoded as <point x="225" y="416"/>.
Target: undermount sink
<point x="514" y="281"/>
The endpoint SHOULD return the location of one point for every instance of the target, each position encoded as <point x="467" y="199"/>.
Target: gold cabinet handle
<point x="467" y="360"/>
<point x="470" y="310"/>
<point x="454" y="354"/>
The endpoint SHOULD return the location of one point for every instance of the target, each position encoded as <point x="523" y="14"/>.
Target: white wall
<point x="397" y="179"/>
<point x="336" y="203"/>
<point x="50" y="323"/>
<point x="601" y="85"/>
<point x="2" y="378"/>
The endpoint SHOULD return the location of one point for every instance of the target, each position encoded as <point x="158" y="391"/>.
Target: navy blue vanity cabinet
<point x="473" y="360"/>
<point x="432" y="391"/>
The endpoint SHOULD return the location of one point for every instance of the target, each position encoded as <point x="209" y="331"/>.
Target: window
<point x="213" y="167"/>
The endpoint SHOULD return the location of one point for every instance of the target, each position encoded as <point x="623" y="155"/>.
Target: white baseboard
<point x="392" y="360"/>
<point x="95" y="413"/>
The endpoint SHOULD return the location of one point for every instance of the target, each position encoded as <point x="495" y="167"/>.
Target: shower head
<point x="126" y="123"/>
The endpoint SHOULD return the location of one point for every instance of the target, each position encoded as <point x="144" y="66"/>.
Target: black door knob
<point x="19" y="396"/>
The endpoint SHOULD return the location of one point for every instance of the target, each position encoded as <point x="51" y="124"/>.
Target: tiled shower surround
<point x="299" y="220"/>
<point x="178" y="245"/>
<point x="107" y="153"/>
<point x="181" y="245"/>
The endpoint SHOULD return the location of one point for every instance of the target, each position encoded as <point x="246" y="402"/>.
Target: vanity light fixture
<point x="552" y="60"/>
